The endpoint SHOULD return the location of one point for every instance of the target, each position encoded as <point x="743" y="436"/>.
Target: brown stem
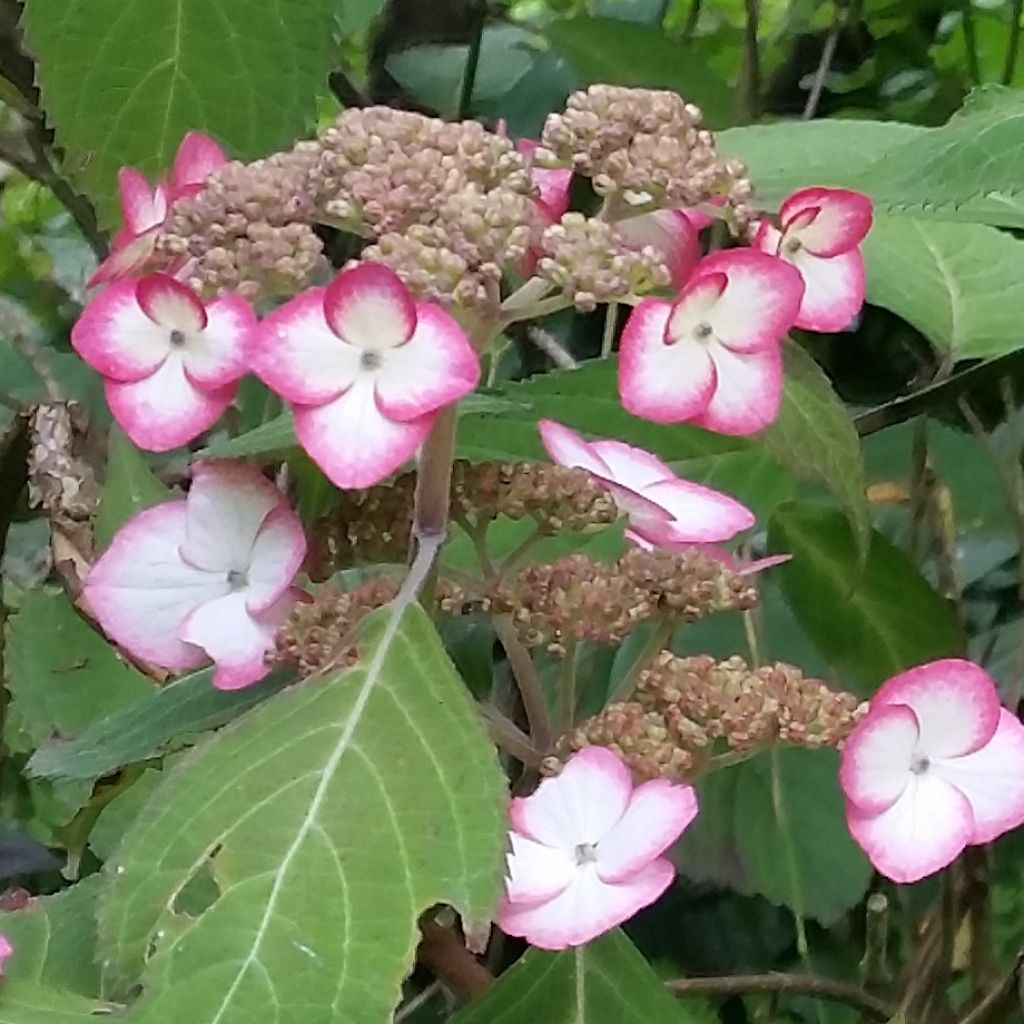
<point x="443" y="952"/>
<point x="874" y="969"/>
<point x="994" y="1005"/>
<point x="507" y="735"/>
<point x="434" y="477"/>
<point x="658" y="639"/>
<point x="792" y="984"/>
<point x="828" y="52"/>
<point x="749" y="92"/>
<point x="527" y="679"/>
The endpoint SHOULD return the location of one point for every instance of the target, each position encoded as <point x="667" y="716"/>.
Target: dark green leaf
<point x="129" y="487"/>
<point x="870" y="622"/>
<point x="146" y="727"/>
<point x="24" y="1002"/>
<point x="604" y="982"/>
<point x="124" y="80"/>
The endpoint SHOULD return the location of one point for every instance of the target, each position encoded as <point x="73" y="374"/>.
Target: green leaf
<point x="870" y="622"/>
<point x="124" y="80"/>
<point x="61" y="673"/>
<point x="618" y="52"/>
<point x="782" y="837"/>
<point x="814" y="437"/>
<point x="23" y="1002"/>
<point x="54" y="940"/>
<point x="958" y="284"/>
<point x="605" y="982"/>
<point x="328" y="820"/>
<point x="146" y="727"/>
<point x="129" y="487"/>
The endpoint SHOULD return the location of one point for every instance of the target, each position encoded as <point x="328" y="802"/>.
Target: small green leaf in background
<point x="618" y="52"/>
<point x="329" y="819"/>
<point x="959" y="284"/>
<point x="61" y="673"/>
<point x="605" y="982"/>
<point x="54" y="940"/>
<point x="356" y="16"/>
<point x="129" y="486"/>
<point x="870" y="622"/>
<point x="124" y="80"/>
<point x="803" y="858"/>
<point x="814" y="437"/>
<point x="146" y="727"/>
<point x="24" y="1002"/>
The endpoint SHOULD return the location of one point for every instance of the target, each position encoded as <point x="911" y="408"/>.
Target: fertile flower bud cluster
<point x="644" y="147"/>
<point x="580" y="598"/>
<point x="589" y="263"/>
<point x="684" y="705"/>
<point x="373" y="525"/>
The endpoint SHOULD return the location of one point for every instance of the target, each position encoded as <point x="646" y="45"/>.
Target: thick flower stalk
<point x="170" y="364"/>
<point x="204" y="578"/>
<point x="586" y="850"/>
<point x="366" y="370"/>
<point x="936" y="765"/>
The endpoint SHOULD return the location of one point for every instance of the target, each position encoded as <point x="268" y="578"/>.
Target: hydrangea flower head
<point x="819" y="233"/>
<point x="366" y="370"/>
<point x="713" y="357"/>
<point x="586" y="850"/>
<point x="936" y="765"/>
<point x="663" y="510"/>
<point x="170" y="364"/>
<point x="205" y="577"/>
<point x="145" y="207"/>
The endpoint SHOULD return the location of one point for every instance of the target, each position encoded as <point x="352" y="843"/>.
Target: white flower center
<point x="177" y="338"/>
<point x="920" y="764"/>
<point x="792" y="245"/>
<point x="238" y="579"/>
<point x="370" y="360"/>
<point x="586" y="853"/>
<point x="703" y="331"/>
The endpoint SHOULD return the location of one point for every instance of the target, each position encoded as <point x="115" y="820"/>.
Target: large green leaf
<point x="327" y="820"/>
<point x="24" y="1002"/>
<point x="618" y="52"/>
<point x="959" y="284"/>
<point x="61" y="673"/>
<point x="124" y="80"/>
<point x="146" y="727"/>
<point x="814" y="437"/>
<point x="870" y="621"/>
<point x="54" y="940"/>
<point x="604" y="982"/>
<point x="776" y="827"/>
<point x="128" y="487"/>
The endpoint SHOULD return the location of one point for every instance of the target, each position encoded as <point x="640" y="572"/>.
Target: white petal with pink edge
<point x="197" y="158"/>
<point x="833" y="292"/>
<point x="658" y="813"/>
<point x="295" y="352"/>
<point x="218" y="355"/>
<point x="578" y="806"/>
<point x="828" y="221"/>
<point x="569" y="449"/>
<point x="276" y="557"/>
<point x="170" y="304"/>
<point x="227" y="504"/>
<point x="668" y="232"/>
<point x="116" y="338"/>
<point x="166" y="410"/>
<point x="921" y="833"/>
<point x="696" y="514"/>
<point x="586" y="908"/>
<point x="437" y="365"/>
<point x="992" y="779"/>
<point x="632" y="467"/>
<point x="353" y="442"/>
<point x="748" y="392"/>
<point x="657" y="381"/>
<point x="141" y="591"/>
<point x="760" y="301"/>
<point x="955" y="701"/>
<point x="876" y="760"/>
<point x="143" y="206"/>
<point x="370" y="308"/>
<point x="130" y="258"/>
<point x="535" y="871"/>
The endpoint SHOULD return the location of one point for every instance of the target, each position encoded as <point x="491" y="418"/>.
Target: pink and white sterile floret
<point x="663" y="510"/>
<point x="207" y="577"/>
<point x="585" y="850"/>
<point x="6" y="949"/>
<point x="170" y="364"/>
<point x="145" y="207"/>
<point x="366" y="370"/>
<point x="713" y="357"/>
<point x="819" y="233"/>
<point x="936" y="765"/>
